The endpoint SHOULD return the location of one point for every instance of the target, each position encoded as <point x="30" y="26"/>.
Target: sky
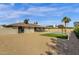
<point x="43" y="13"/>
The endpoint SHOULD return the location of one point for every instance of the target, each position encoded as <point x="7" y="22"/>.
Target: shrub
<point x="76" y="30"/>
<point x="62" y="36"/>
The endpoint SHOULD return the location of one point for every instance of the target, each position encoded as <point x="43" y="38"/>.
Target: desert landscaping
<point x="26" y="43"/>
<point x="30" y="43"/>
<point x="39" y="29"/>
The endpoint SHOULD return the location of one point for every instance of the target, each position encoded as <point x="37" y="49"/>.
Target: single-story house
<point x="22" y="27"/>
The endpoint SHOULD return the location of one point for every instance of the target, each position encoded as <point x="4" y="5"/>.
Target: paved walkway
<point x="27" y="43"/>
<point x="73" y="44"/>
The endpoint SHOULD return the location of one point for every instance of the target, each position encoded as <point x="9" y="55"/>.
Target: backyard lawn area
<point x="62" y="36"/>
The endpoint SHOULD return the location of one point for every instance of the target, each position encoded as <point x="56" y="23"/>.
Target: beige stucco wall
<point x="58" y="30"/>
<point x="13" y="31"/>
<point x="28" y="30"/>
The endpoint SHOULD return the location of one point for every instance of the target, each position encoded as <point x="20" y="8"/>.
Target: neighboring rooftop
<point x="76" y="23"/>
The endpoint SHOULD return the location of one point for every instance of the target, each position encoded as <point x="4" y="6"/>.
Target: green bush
<point x="76" y="30"/>
<point x="62" y="36"/>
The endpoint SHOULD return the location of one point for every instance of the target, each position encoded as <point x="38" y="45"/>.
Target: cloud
<point x="76" y="10"/>
<point x="41" y="9"/>
<point x="12" y="4"/>
<point x="3" y="6"/>
<point x="10" y="12"/>
<point x="7" y="12"/>
<point x="34" y="11"/>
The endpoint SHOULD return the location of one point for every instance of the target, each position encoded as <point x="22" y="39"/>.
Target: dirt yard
<point x="26" y="43"/>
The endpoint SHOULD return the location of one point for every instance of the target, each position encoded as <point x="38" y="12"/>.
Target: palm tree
<point x="26" y="21"/>
<point x="66" y="20"/>
<point x="35" y="22"/>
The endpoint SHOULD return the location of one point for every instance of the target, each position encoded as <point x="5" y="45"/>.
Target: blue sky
<point x="43" y="13"/>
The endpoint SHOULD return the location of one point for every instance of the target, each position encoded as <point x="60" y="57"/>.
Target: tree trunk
<point x="65" y="27"/>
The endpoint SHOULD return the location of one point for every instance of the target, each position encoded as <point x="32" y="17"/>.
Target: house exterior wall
<point x="28" y="30"/>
